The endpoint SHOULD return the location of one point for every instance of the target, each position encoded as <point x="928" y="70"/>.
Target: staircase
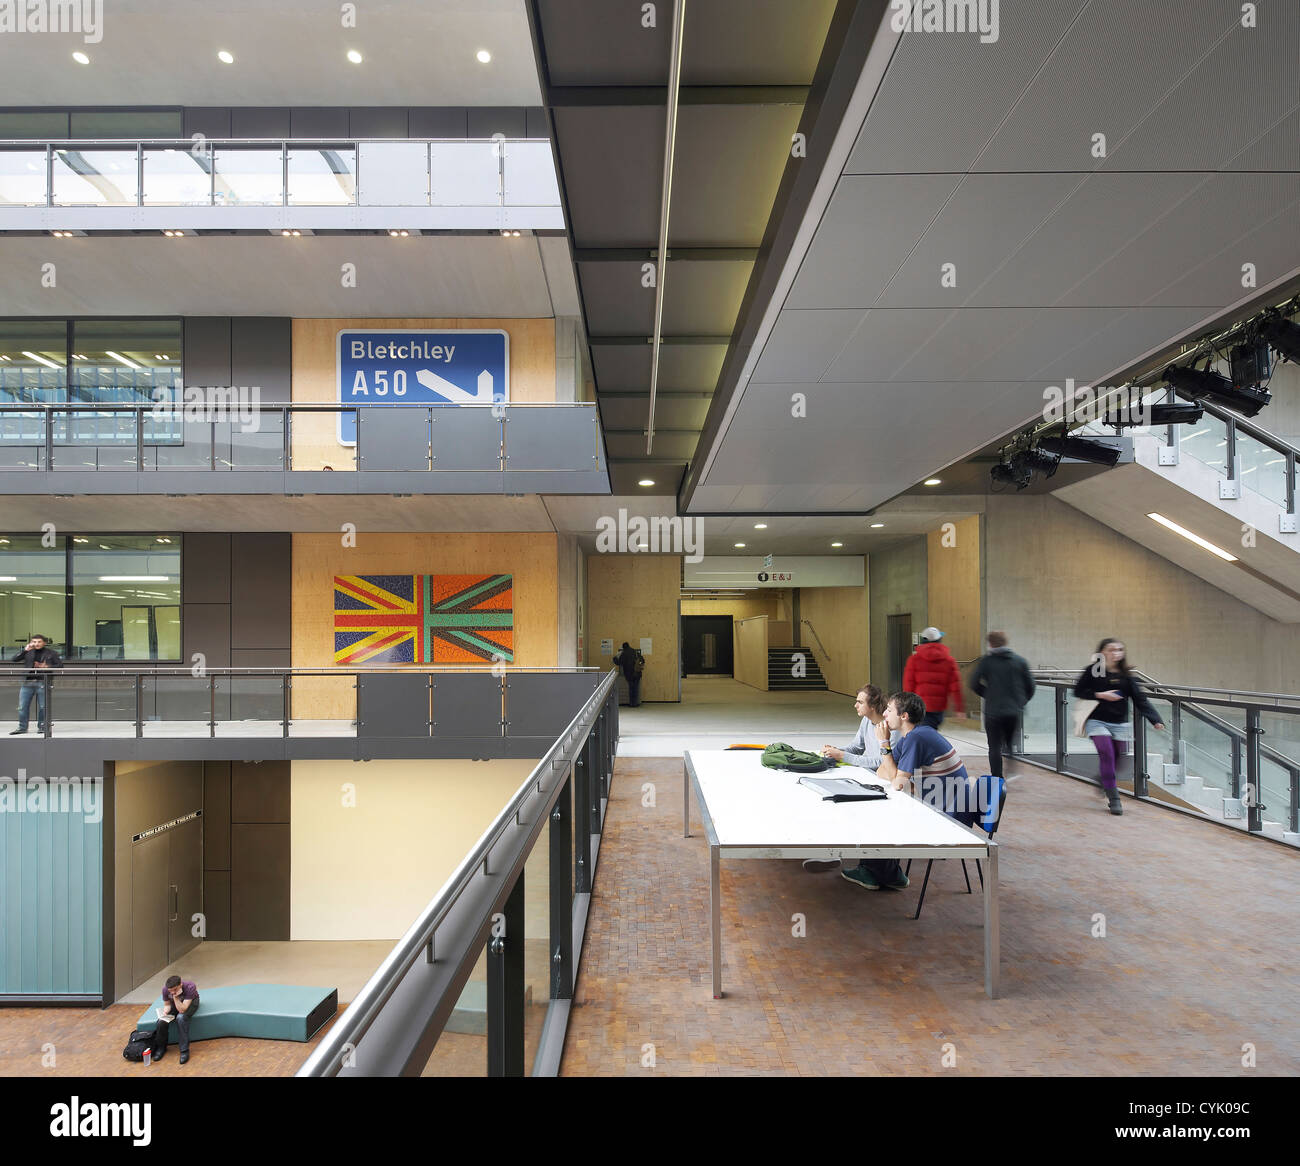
<point x="1214" y="801"/>
<point x="794" y="670"/>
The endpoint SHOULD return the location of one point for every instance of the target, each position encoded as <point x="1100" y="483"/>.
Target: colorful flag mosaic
<point x="429" y="619"/>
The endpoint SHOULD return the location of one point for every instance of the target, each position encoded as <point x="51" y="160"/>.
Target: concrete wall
<point x="366" y="870"/>
<point x="841" y="618"/>
<point x="953" y="579"/>
<point x="1058" y="581"/>
<point x="635" y="596"/>
<point x="897" y="582"/>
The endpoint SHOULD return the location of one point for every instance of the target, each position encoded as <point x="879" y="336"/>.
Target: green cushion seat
<point x="264" y="1011"/>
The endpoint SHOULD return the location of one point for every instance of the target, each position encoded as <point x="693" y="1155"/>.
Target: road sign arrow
<point x="454" y="393"/>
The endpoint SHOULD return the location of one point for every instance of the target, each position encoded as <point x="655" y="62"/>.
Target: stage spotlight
<point x="1179" y="414"/>
<point x="1081" y="449"/>
<point x="1250" y="364"/>
<point x="1021" y="467"/>
<point x="1283" y="335"/>
<point x="1201" y="384"/>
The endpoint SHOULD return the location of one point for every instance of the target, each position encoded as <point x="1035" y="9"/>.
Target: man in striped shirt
<point x="921" y="758"/>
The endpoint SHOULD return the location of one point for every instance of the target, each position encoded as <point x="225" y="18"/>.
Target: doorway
<point x="899" y="631"/>
<point x="166" y="892"/>
<point x="707" y="645"/>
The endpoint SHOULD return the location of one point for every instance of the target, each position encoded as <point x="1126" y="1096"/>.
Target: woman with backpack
<point x="1107" y="685"/>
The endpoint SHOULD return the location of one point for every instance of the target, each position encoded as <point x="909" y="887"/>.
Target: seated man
<point x="863" y="750"/>
<point x="921" y="754"/>
<point x="180" y="1001"/>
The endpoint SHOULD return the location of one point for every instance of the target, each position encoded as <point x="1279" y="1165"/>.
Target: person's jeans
<point x="33" y="690"/>
<point x="934" y="720"/>
<point x="182" y="1022"/>
<point x="1001" y="732"/>
<point x="887" y="870"/>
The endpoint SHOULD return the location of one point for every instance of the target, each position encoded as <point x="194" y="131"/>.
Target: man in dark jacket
<point x="39" y="657"/>
<point x="632" y="663"/>
<point x="1005" y="682"/>
<point x="932" y="674"/>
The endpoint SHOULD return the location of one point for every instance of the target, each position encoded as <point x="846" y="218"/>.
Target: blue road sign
<point x="417" y="366"/>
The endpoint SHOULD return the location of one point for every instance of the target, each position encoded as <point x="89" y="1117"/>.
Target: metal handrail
<point x="1057" y="673"/>
<point x="189" y="143"/>
<point x="816" y="637"/>
<point x="128" y="667"/>
<point x="326" y="1059"/>
<point x="167" y="409"/>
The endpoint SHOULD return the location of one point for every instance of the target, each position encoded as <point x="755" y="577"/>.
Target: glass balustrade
<point x="1206" y="441"/>
<point x="95" y="177"/>
<point x="174" y="176"/>
<point x="1263" y="469"/>
<point x="323" y="176"/>
<point x="247" y="177"/>
<point x="22" y="177"/>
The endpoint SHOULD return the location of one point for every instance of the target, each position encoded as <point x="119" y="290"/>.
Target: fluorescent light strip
<point x="123" y="359"/>
<point x="135" y="579"/>
<point x="37" y="356"/>
<point x="1190" y="537"/>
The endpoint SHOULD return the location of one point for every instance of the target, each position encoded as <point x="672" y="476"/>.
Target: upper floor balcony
<point x="248" y="448"/>
<point x="187" y="185"/>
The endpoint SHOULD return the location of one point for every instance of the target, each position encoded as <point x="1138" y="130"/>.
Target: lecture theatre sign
<point x="419" y="366"/>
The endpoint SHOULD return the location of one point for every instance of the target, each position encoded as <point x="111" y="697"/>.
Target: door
<point x="900" y="647"/>
<point x="707" y="645"/>
<point x="150" y="907"/>
<point x="184" y="885"/>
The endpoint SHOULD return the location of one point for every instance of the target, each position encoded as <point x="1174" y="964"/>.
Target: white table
<point x="753" y="812"/>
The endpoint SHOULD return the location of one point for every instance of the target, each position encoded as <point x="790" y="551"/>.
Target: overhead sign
<point x="418" y="366"/>
<point x="749" y="571"/>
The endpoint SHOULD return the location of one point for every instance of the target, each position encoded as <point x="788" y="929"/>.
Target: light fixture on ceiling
<point x="760" y="526"/>
<point x="837" y="544"/>
<point x="1190" y="537"/>
<point x="877" y="525"/>
<point x="174" y="234"/>
<point x="354" y="56"/>
<point x="80" y="540"/>
<point x="483" y="56"/>
<point x="162" y="539"/>
<point x="646" y="482"/>
<point x="1081" y="449"/>
<point x="934" y="481"/>
<point x="8" y="578"/>
<point x="510" y="234"/>
<point x="134" y="579"/>
<point x="1202" y="384"/>
<point x="286" y="233"/>
<point x="740" y="545"/>
<point x="62" y="234"/>
<point x="398" y="234"/>
<point x="121" y="359"/>
<point x="225" y="57"/>
<point x="81" y="58"/>
<point x="36" y="356"/>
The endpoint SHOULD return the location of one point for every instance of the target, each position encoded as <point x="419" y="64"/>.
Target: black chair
<point x="990" y="792"/>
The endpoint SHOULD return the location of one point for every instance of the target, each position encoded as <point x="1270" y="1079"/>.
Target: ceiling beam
<point x="625" y="341"/>
<point x="641" y="395"/>
<point x="558" y="96"/>
<point x="651" y="251"/>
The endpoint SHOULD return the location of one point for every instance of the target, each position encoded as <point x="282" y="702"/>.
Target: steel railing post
<point x="1254" y="807"/>
<point x="1176" y="728"/>
<point x="581" y="823"/>
<point x="561" y="844"/>
<point x="212" y="705"/>
<point x="1140" y="777"/>
<point x="47" y="698"/>
<point x="284" y="703"/>
<point x="1060" y="708"/>
<point x="505" y="995"/>
<point x="139" y="704"/>
<point x="1293" y="817"/>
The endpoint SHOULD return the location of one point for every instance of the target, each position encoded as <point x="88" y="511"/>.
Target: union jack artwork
<point x="429" y="619"/>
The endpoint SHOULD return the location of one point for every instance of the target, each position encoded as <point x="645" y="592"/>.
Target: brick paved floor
<point x="1199" y="956"/>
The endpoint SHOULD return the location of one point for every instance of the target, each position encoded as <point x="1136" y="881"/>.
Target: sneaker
<point x="1112" y="799"/>
<point x="15" y="732"/>
<point x="821" y="865"/>
<point x="899" y="884"/>
<point x="861" y="877"/>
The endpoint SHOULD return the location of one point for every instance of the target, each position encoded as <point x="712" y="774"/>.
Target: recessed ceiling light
<point x="837" y="544"/>
<point x="877" y="525"/>
<point x="760" y="526"/>
<point x="354" y="56"/>
<point x="225" y="58"/>
<point x="81" y="58"/>
<point x="740" y="544"/>
<point x="646" y="482"/>
<point x="933" y="481"/>
<point x="482" y="56"/>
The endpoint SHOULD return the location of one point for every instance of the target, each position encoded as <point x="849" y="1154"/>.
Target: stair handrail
<point x="816" y="637"/>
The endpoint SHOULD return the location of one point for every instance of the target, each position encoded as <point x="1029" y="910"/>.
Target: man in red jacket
<point x="932" y="674"/>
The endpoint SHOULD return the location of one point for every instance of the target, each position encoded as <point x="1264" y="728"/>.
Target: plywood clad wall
<point x="738" y="609"/>
<point x="317" y="558"/>
<point x="631" y="596"/>
<point x="750" y="665"/>
<point x="315" y="375"/>
<point x="953" y="586"/>
<point x="841" y="619"/>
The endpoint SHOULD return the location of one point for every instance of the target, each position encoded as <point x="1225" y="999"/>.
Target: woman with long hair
<point x="1109" y="681"/>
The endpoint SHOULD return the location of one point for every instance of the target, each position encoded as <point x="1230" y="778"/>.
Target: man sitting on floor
<point x="921" y="754"/>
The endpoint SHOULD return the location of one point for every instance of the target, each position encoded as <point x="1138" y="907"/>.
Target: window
<point x="33" y="361"/>
<point x="125" y="595"/>
<point x="33" y="590"/>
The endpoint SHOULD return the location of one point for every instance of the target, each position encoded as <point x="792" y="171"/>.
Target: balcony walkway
<point x="1199" y="957"/>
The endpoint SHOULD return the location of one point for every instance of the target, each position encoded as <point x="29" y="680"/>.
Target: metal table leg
<point x="992" y="939"/>
<point x="715" y="913"/>
<point x="686" y="802"/>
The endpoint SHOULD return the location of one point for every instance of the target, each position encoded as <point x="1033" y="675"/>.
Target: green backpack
<point x="779" y="755"/>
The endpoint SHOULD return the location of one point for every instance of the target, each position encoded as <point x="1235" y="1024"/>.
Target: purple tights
<point x="1109" y="751"/>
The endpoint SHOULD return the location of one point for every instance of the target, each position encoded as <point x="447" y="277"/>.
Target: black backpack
<point x="140" y="1040"/>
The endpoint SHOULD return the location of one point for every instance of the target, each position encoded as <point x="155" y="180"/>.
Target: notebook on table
<point x="844" y="789"/>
